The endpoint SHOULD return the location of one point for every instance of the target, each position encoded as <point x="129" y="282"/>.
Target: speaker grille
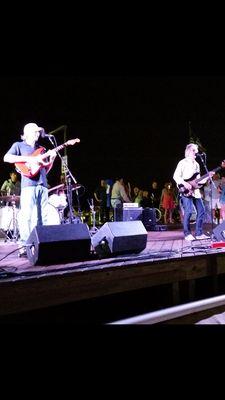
<point x="55" y="244"/>
<point x="120" y="238"/>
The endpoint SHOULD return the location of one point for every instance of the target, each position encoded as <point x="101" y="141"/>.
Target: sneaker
<point x="22" y="252"/>
<point x="202" y="237"/>
<point x="189" y="237"/>
<point x="215" y="221"/>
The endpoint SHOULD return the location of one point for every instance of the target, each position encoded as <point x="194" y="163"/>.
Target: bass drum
<point x="53" y="217"/>
<point x="58" y="201"/>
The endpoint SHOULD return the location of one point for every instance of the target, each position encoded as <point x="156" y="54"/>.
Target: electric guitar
<point x="31" y="169"/>
<point x="195" y="183"/>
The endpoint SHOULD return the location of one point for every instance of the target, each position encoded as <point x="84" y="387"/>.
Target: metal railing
<point x="173" y="312"/>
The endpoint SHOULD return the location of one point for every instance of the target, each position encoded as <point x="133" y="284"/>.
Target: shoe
<point x="215" y="221"/>
<point x="22" y="252"/>
<point x="202" y="237"/>
<point x="221" y="220"/>
<point x="189" y="237"/>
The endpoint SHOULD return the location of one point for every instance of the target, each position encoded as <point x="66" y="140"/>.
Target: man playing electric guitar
<point x="34" y="191"/>
<point x="189" y="190"/>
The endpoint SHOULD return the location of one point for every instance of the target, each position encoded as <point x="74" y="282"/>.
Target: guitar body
<point x="193" y="182"/>
<point x="31" y="169"/>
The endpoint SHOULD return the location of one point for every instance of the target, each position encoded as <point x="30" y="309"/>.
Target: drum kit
<point x="62" y="187"/>
<point x="10" y="213"/>
<point x="58" y="202"/>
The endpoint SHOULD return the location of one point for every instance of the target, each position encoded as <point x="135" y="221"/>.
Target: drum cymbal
<point x="56" y="188"/>
<point x="62" y="187"/>
<point x="11" y="198"/>
<point x="76" y="186"/>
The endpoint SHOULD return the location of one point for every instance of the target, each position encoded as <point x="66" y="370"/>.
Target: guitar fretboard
<point x="206" y="175"/>
<point x="60" y="147"/>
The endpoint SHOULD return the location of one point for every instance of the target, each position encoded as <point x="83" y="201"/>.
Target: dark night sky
<point x="136" y="126"/>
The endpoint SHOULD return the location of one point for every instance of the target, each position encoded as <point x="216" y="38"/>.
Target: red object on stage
<point x="217" y="245"/>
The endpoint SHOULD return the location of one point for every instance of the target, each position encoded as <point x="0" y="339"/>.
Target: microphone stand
<point x="94" y="229"/>
<point x="59" y="129"/>
<point x="203" y="160"/>
<point x="69" y="176"/>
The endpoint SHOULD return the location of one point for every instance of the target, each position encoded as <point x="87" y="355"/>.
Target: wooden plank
<point x="176" y="293"/>
<point x="167" y="259"/>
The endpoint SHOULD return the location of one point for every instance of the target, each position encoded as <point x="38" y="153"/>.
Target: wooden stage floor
<point x="167" y="259"/>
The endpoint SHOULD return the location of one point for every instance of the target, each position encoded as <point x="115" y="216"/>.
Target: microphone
<point x="45" y="135"/>
<point x="200" y="154"/>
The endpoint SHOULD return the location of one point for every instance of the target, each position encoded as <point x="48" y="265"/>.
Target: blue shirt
<point x="24" y="149"/>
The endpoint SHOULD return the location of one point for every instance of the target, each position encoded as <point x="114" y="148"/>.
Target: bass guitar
<point x="31" y="169"/>
<point x="196" y="183"/>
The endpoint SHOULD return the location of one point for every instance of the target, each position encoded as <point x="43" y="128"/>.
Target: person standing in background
<point x="11" y="186"/>
<point x="100" y="195"/>
<point x="167" y="202"/>
<point x="119" y="195"/>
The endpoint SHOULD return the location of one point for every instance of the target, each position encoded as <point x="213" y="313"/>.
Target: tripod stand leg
<point x="7" y="238"/>
<point x="12" y="232"/>
<point x="15" y="230"/>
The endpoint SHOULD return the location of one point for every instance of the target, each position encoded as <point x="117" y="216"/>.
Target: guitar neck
<point x="60" y="147"/>
<point x="207" y="175"/>
<point x="68" y="143"/>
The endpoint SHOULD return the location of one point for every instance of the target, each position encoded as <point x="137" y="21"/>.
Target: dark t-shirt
<point x="100" y="192"/>
<point x="24" y="149"/>
<point x="154" y="197"/>
<point x="145" y="202"/>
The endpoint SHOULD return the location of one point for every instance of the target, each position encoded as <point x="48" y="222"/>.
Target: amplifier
<point x="128" y="214"/>
<point x="149" y="218"/>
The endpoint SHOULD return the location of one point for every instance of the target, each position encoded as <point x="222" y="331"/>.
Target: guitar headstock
<point x="71" y="142"/>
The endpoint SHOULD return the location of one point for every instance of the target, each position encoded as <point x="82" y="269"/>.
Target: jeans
<point x="187" y="203"/>
<point x="32" y="196"/>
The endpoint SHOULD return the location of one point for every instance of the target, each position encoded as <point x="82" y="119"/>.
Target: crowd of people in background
<point x="108" y="194"/>
<point x="166" y="199"/>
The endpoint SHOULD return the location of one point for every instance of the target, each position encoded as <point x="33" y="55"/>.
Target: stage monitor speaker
<point x="55" y="244"/>
<point x="120" y="238"/>
<point x="219" y="232"/>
